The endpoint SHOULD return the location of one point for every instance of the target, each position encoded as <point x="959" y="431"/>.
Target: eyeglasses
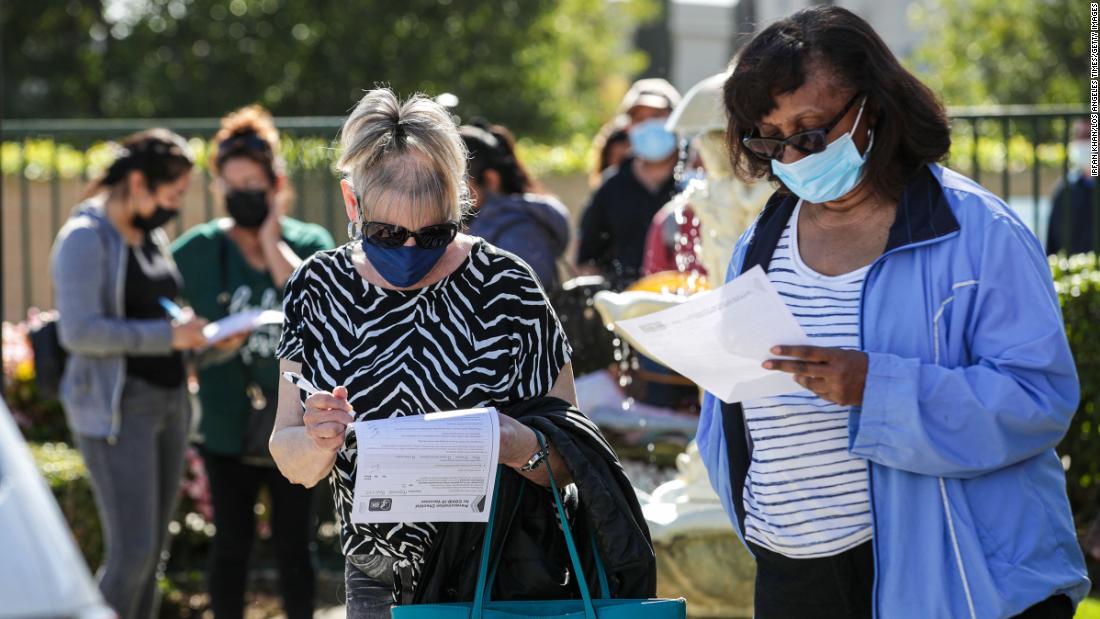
<point x="807" y="142"/>
<point x="392" y="235"/>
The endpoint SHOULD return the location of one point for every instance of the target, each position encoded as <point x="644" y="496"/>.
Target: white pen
<point x="301" y="382"/>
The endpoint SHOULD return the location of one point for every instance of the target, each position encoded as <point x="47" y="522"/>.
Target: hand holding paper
<point x="719" y="339"/>
<point x="438" y="467"/>
<point x="240" y="323"/>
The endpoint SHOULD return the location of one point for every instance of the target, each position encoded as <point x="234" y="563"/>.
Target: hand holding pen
<point x="186" y="327"/>
<point x="327" y="415"/>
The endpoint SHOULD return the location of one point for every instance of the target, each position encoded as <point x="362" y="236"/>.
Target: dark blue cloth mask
<point x="402" y="266"/>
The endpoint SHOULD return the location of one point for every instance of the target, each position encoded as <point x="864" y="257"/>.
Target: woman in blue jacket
<point x="915" y="473"/>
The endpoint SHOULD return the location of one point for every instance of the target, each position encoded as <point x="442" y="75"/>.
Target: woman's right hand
<point x="327" y="417"/>
<point x="187" y="332"/>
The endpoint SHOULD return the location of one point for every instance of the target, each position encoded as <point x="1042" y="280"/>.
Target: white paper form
<point x="239" y="323"/>
<point x="719" y="339"/>
<point x="438" y="467"/>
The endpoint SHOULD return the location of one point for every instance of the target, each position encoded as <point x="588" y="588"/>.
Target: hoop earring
<point x="354" y="232"/>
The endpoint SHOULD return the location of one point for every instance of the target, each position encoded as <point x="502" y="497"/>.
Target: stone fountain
<point x="698" y="553"/>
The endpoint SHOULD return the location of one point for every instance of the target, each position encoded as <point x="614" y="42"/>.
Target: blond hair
<point x="406" y="155"/>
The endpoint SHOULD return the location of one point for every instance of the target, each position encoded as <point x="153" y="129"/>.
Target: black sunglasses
<point x="392" y="235"/>
<point x="808" y="142"/>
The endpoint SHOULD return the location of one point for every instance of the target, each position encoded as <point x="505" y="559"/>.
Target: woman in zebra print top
<point x="398" y="323"/>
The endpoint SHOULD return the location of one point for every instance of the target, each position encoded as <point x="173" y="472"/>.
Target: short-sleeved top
<point x="218" y="281"/>
<point x="485" y="335"/>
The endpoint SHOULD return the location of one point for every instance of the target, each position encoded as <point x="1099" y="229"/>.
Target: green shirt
<point x="218" y="281"/>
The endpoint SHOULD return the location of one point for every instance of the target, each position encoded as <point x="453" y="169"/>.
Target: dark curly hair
<point x="249" y="133"/>
<point x="911" y="127"/>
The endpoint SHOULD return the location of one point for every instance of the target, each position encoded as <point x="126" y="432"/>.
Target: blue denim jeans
<point x="369" y="581"/>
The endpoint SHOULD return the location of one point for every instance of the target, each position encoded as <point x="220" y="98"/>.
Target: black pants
<point x="234" y="487"/>
<point x="369" y="582"/>
<point x="840" y="587"/>
<point x="1054" y="607"/>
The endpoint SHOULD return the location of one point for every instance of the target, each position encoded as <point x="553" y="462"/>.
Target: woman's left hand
<point x="517" y="442"/>
<point x="834" y="374"/>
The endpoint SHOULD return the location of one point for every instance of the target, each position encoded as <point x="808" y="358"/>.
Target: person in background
<point x="1074" y="209"/>
<point x="673" y="241"/>
<point x="507" y="211"/>
<point x="123" y="389"/>
<point x="409" y="317"/>
<point x="231" y="265"/>
<point x="911" y="471"/>
<point x="696" y="231"/>
<point x="611" y="146"/>
<point x="614" y="223"/>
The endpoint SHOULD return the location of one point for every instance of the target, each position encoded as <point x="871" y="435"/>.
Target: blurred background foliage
<point x="1003" y="52"/>
<point x="546" y="68"/>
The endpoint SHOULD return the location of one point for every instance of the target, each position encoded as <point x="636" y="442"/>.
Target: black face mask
<point x="159" y="217"/>
<point x="248" y="208"/>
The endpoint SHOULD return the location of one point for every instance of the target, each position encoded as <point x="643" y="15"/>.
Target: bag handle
<point x="483" y="565"/>
<point x="605" y="589"/>
<point x="601" y="573"/>
<point x="483" y="583"/>
<point x="508" y="528"/>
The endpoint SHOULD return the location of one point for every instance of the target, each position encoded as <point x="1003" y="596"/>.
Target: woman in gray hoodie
<point x="124" y="386"/>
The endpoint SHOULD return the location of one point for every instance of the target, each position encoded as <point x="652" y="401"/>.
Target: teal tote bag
<point x="603" y="607"/>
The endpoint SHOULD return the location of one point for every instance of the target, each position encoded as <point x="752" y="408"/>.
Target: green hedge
<point x="1077" y="280"/>
<point x="64" y="471"/>
<point x="43" y="158"/>
<point x="191" y="531"/>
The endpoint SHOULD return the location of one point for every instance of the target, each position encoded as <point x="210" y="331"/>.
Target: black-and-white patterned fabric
<point x="483" y="336"/>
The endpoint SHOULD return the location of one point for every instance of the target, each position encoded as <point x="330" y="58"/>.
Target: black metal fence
<point x="1019" y="152"/>
<point x="1039" y="126"/>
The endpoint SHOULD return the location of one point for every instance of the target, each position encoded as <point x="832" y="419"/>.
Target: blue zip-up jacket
<point x="970" y="386"/>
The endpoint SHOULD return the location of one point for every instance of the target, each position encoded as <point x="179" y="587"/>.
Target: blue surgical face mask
<point x="402" y="266"/>
<point x="650" y="140"/>
<point x="1080" y="154"/>
<point x="828" y="175"/>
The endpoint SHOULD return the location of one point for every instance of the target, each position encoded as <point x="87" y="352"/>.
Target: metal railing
<point x="980" y="134"/>
<point x="42" y="205"/>
<point x="1037" y="123"/>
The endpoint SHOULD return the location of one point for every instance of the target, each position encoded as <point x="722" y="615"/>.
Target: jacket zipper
<point x="870" y="466"/>
<point x="120" y="309"/>
<point x="943" y="484"/>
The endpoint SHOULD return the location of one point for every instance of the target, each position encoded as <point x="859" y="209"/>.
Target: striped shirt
<point x="805" y="495"/>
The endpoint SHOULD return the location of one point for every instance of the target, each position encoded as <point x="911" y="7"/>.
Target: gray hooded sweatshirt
<point x="88" y="267"/>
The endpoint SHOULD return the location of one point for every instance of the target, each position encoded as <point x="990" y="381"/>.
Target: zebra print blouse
<point x="485" y="335"/>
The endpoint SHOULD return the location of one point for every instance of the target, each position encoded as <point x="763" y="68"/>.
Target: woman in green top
<point x="232" y="265"/>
